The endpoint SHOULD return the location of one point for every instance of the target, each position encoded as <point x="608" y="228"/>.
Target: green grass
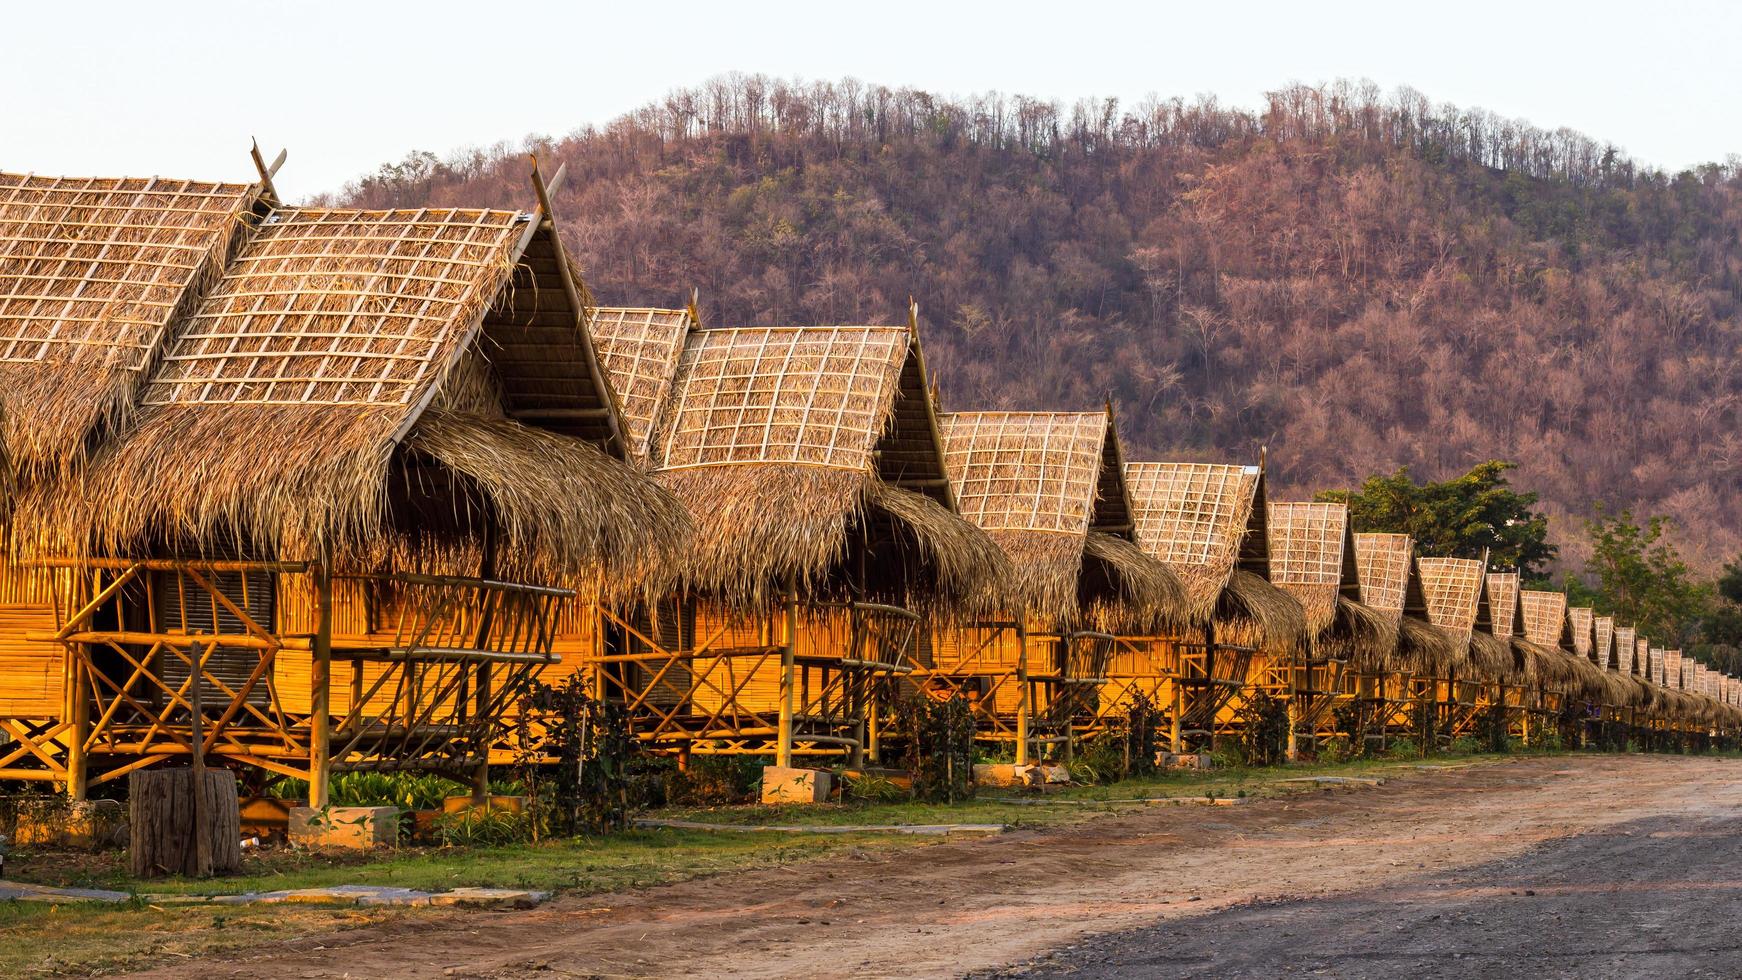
<point x="627" y="860"/>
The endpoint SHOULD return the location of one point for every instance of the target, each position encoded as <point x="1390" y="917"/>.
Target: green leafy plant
<point x="940" y="746"/>
<point x="583" y="788"/>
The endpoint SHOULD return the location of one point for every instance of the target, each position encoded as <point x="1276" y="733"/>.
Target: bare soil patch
<point x="955" y="907"/>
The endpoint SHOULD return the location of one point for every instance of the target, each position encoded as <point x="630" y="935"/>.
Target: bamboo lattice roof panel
<point x="1312" y="557"/>
<point x="813" y="396"/>
<point x="1196" y="518"/>
<point x="1452" y="590"/>
<point x="1385" y="563"/>
<point x="1603" y="631"/>
<point x="1659" y="666"/>
<point x="92" y="273"/>
<point x="340" y="307"/>
<point x="1627" y="650"/>
<point x="1545" y="618"/>
<point x="1025" y="471"/>
<point x="1580" y="621"/>
<point x="639" y="348"/>
<point x="1503" y="602"/>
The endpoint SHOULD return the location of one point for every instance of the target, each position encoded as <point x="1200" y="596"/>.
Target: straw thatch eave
<point x="1124" y="590"/>
<point x="789" y="446"/>
<point x="93" y="272"/>
<point x="1423" y="648"/>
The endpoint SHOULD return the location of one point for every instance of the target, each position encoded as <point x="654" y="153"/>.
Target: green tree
<point x="1458" y="518"/>
<point x="1640" y="578"/>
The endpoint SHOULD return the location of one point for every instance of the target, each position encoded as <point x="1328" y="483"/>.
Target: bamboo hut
<point x="810" y="463"/>
<point x="325" y="508"/>
<point x="1312" y="557"/>
<point x="1452" y="591"/>
<point x="1049" y="488"/>
<point x="1385" y="567"/>
<point x="1517" y="684"/>
<point x="1206" y="522"/>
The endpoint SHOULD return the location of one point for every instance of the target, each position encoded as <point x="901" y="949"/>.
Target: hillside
<point x="1358" y="281"/>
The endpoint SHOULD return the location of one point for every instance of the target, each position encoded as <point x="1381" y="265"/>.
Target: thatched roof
<point x="1580" y="622"/>
<point x="1452" y="592"/>
<point x="1040" y="483"/>
<point x="93" y="271"/>
<point x="1385" y="565"/>
<point x="1206" y="522"/>
<point x="342" y="353"/>
<point x="1501" y="597"/>
<point x="1627" y="650"/>
<point x="1603" y="631"/>
<point x="1312" y="557"/>
<point x="787" y="445"/>
<point x="639" y="349"/>
<point x="1545" y="618"/>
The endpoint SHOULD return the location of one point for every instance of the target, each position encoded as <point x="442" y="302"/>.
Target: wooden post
<point x="1292" y="753"/>
<point x="789" y="643"/>
<point x="79" y="713"/>
<point x="320" y="690"/>
<point x="1176" y="734"/>
<point x="1022" y="698"/>
<point x="202" y="803"/>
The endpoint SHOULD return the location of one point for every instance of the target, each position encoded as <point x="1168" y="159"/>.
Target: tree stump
<point x="166" y="819"/>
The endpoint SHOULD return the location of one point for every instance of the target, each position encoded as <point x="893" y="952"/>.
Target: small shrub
<point x="940" y="746"/>
<point x="865" y="788"/>
<point x="486" y="827"/>
<point x="1264" y="735"/>
<point x="1493" y="729"/>
<point x="716" y="780"/>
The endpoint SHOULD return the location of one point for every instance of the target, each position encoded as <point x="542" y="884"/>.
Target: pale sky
<point x="178" y="87"/>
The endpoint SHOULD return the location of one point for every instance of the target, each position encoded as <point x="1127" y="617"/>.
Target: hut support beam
<point x="78" y="775"/>
<point x="788" y="650"/>
<point x="320" y="690"/>
<point x="1023" y="697"/>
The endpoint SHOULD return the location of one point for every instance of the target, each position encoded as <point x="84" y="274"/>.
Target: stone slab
<point x="924" y="830"/>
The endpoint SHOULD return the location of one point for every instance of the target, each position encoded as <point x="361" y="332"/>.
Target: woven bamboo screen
<point x="1306" y="555"/>
<point x="1579" y="620"/>
<point x="1025" y="471"/>
<point x="92" y="269"/>
<point x="1659" y="667"/>
<point x="639" y="350"/>
<point x="1544" y="615"/>
<point x="1193" y="514"/>
<point x="1627" y="650"/>
<point x="1384" y="561"/>
<point x="819" y="396"/>
<point x="339" y="307"/>
<point x="1503" y="602"/>
<point x="1452" y="588"/>
<point x="1672" y="668"/>
<point x="1603" y="630"/>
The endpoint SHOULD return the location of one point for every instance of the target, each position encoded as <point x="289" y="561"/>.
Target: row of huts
<point x="311" y="489"/>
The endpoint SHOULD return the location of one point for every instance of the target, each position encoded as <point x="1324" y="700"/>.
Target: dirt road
<point x="1362" y="882"/>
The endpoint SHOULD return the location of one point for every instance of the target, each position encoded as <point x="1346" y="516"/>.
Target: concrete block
<point x="354" y="828"/>
<point x="86" y="825"/>
<point x="1055" y="775"/>
<point x="783" y="785"/>
<point x="1007" y="776"/>
<point x="1188" y="760"/>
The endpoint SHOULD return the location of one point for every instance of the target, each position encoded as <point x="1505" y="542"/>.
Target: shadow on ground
<point x="1646" y="898"/>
